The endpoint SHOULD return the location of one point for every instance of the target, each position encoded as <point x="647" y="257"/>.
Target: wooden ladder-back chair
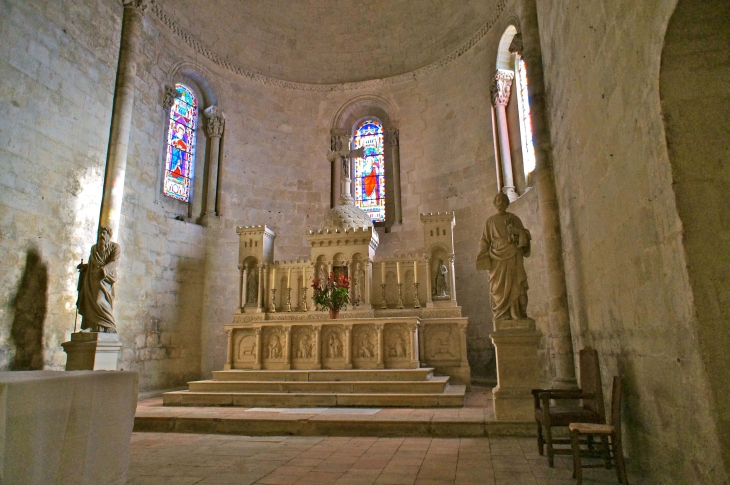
<point x="584" y="405"/>
<point x="610" y="434"/>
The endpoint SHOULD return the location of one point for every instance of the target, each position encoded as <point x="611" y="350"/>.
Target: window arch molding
<point x="204" y="191"/>
<point x="345" y="121"/>
<point x="511" y="115"/>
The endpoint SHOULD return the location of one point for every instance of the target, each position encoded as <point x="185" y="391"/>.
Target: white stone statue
<point x="503" y="246"/>
<point x="97" y="280"/>
<point x="440" y="286"/>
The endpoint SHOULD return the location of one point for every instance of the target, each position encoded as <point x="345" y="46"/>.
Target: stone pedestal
<point x="92" y="351"/>
<point x="515" y="342"/>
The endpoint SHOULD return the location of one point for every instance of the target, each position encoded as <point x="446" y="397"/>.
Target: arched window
<point x="514" y="148"/>
<point x="523" y="101"/>
<point x="370" y="168"/>
<point x="180" y="149"/>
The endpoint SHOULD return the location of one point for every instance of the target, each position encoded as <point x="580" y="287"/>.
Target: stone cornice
<point x="206" y="51"/>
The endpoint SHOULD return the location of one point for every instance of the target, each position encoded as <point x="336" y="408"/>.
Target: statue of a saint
<point x="501" y="250"/>
<point x="440" y="286"/>
<point x="252" y="286"/>
<point x="96" y="285"/>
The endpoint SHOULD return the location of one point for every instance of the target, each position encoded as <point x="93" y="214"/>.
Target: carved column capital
<point x="393" y="137"/>
<point x="171" y="94"/>
<point x="339" y="141"/>
<point x="257" y="330"/>
<point x="515" y="46"/>
<point x="139" y="5"/>
<point x="216" y="122"/>
<point x="501" y="87"/>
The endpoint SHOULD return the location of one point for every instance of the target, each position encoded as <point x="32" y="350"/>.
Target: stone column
<point x="318" y="347"/>
<point x="257" y="331"/>
<point x="558" y="316"/>
<point x="260" y="288"/>
<point x="244" y="287"/>
<point x="350" y="274"/>
<point x="348" y="346"/>
<point x="381" y="346"/>
<point x="429" y="297"/>
<point x="414" y="345"/>
<point x="121" y="122"/>
<point x="367" y="283"/>
<point x="287" y="347"/>
<point x="229" y="357"/>
<point x="338" y="142"/>
<point x="266" y="290"/>
<point x="241" y="300"/>
<point x="214" y="129"/>
<point x="501" y="87"/>
<point x="394" y="142"/>
<point x="463" y="327"/>
<point x="422" y="345"/>
<point x="452" y="291"/>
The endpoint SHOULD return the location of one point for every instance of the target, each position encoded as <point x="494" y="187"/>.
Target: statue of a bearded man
<point x="503" y="246"/>
<point x="96" y="285"/>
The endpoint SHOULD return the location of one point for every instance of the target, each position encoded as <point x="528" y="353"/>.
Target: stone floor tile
<point x="153" y="480"/>
<point x="319" y="478"/>
<point x="273" y="479"/>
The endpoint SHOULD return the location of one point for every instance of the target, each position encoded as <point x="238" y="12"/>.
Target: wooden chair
<point x="610" y="435"/>
<point x="587" y="408"/>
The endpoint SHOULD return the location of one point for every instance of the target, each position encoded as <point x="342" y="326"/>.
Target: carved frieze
<point x="244" y="345"/>
<point x="304" y="342"/>
<point x="442" y="342"/>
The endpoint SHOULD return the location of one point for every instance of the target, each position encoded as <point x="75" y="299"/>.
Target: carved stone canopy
<point x="501" y="86"/>
<point x="346" y="217"/>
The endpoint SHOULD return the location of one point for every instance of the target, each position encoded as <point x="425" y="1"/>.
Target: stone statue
<point x="440" y="286"/>
<point x="274" y="348"/>
<point x="252" y="286"/>
<point x="335" y="347"/>
<point x="501" y="250"/>
<point x="96" y="285"/>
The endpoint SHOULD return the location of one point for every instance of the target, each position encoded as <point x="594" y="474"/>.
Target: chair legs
<point x="549" y="441"/>
<point x="540" y="440"/>
<point x="618" y="456"/>
<point x="577" y="465"/>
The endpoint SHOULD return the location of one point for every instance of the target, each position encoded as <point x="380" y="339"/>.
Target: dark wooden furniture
<point x="610" y="435"/>
<point x="584" y="405"/>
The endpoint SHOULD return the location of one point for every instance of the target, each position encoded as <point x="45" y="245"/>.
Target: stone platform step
<point x="422" y="374"/>
<point x="452" y="396"/>
<point x="432" y="386"/>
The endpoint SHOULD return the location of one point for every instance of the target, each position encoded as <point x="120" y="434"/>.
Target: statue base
<point x="516" y="343"/>
<point x="92" y="351"/>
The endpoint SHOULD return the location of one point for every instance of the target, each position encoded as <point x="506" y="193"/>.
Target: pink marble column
<point x="501" y="88"/>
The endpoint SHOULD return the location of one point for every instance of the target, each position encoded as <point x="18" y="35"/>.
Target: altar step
<point x="321" y="388"/>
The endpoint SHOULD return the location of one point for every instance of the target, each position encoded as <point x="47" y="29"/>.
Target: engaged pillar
<point x="214" y="129"/>
<point x="121" y="122"/>
<point x="501" y="87"/>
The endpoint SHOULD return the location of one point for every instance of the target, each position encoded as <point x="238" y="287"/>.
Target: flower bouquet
<point x="332" y="295"/>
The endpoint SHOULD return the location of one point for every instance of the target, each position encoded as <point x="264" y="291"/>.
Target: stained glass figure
<point x="370" y="169"/>
<point x="528" y="150"/>
<point x="180" y="154"/>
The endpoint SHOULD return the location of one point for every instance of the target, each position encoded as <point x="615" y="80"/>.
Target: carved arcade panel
<point x="274" y="344"/>
<point x="442" y="343"/>
<point x="333" y="346"/>
<point x="365" y="346"/>
<point x="244" y="349"/>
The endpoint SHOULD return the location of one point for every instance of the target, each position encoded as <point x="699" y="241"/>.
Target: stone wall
<point x="58" y="66"/>
<point x="630" y="292"/>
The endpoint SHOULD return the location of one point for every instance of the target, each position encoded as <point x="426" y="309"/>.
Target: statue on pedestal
<point x="440" y="287"/>
<point x="96" y="285"/>
<point x="504" y="244"/>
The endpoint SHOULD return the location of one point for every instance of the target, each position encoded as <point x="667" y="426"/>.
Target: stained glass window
<point x="370" y="169"/>
<point x="528" y="150"/>
<point x="180" y="150"/>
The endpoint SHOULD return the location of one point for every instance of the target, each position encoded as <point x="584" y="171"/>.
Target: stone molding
<point x="216" y="122"/>
<point x="206" y="51"/>
<point x="502" y="86"/>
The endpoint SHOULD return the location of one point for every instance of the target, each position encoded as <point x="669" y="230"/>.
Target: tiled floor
<point x="184" y="459"/>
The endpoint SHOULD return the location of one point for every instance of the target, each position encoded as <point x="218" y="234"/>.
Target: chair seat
<point x="564" y="415"/>
<point x="591" y="428"/>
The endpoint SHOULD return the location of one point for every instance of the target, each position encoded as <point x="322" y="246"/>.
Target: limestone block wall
<point x="274" y="171"/>
<point x="630" y="294"/>
<point x="58" y="64"/>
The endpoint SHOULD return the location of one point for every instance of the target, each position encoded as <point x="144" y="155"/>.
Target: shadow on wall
<point x="30" y="305"/>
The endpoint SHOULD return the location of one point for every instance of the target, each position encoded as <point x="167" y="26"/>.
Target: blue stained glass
<point x="370" y="169"/>
<point x="180" y="153"/>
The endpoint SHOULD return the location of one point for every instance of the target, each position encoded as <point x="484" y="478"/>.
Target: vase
<point x="334" y="314"/>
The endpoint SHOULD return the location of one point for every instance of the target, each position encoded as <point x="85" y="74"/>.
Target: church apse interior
<point x="236" y="150"/>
